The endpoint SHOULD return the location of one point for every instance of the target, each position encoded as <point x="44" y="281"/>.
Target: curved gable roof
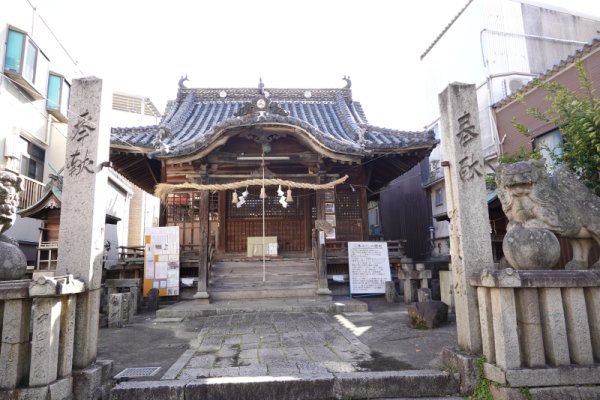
<point x="329" y="116"/>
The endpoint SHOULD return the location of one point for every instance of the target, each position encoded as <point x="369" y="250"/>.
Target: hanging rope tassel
<point x="289" y="198"/>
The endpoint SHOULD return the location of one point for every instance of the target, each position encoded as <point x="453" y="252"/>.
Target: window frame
<point x="62" y="105"/>
<point x="28" y="76"/>
<point x="439" y="197"/>
<point x="24" y="166"/>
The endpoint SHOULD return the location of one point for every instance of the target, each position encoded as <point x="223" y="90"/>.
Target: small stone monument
<point x="13" y="263"/>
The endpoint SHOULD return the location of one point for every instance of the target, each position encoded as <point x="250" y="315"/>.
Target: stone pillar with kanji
<point x="83" y="209"/>
<point x="470" y="241"/>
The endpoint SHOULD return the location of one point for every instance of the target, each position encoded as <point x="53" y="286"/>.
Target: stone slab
<point x="578" y="329"/>
<point x="548" y="393"/>
<point x="151" y="390"/>
<point x="592" y="301"/>
<point x="89" y="382"/>
<point x="61" y="389"/>
<point x="45" y="340"/>
<point x="262" y="387"/>
<point x="85" y="346"/>
<point x="421" y="383"/>
<point x="564" y="376"/>
<point x="537" y="278"/>
<point x="554" y="328"/>
<point x="464" y="364"/>
<point x="33" y="393"/>
<point x="14" y="346"/>
<point x="168" y="320"/>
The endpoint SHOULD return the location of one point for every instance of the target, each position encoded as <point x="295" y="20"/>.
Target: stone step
<point x="258" y="277"/>
<point x="259" y="271"/>
<point x="358" y="385"/>
<point x="263" y="293"/>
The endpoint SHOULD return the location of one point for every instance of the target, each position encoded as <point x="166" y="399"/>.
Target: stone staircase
<point x="243" y="279"/>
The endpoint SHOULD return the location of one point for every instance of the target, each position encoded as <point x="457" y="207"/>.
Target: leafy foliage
<point x="482" y="388"/>
<point x="577" y="115"/>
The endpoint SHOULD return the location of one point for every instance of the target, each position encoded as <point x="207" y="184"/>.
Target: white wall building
<point x="35" y="77"/>
<point x="498" y="45"/>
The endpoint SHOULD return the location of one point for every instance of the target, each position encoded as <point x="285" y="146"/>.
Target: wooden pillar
<point x="222" y="221"/>
<point x="321" y="259"/>
<point x="203" y="247"/>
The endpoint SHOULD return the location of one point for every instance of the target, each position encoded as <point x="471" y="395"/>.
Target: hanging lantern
<point x="279" y="191"/>
<point x="289" y="198"/>
<point x="263" y="193"/>
<point x="234" y="198"/>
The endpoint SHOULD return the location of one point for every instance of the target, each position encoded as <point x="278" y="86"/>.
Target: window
<point x="25" y="63"/>
<point x="57" y="102"/>
<point x="439" y="197"/>
<point x="32" y="160"/>
<point x="550" y="147"/>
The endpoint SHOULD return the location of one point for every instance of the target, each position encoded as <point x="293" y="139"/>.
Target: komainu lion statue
<point x="10" y="187"/>
<point x="13" y="264"/>
<point x="533" y="199"/>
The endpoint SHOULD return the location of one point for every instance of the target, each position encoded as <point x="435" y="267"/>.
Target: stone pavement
<point x="284" y="342"/>
<point x="270" y="344"/>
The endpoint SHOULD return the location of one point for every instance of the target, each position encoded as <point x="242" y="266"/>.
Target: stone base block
<point x="61" y="389"/>
<point x="423" y="294"/>
<point x="149" y="390"/>
<point x="538" y="377"/>
<point x="427" y="314"/>
<point x="465" y="365"/>
<point x="93" y="382"/>
<point x="394" y="384"/>
<point x="548" y="393"/>
<point x="38" y="393"/>
<point x="390" y="292"/>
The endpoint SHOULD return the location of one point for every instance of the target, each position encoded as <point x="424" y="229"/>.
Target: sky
<point x="143" y="47"/>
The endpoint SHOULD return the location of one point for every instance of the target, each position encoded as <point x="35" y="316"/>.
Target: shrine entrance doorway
<point x="290" y="225"/>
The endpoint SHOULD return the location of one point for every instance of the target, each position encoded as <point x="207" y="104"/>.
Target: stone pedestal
<point x="390" y="292"/>
<point x="412" y="280"/>
<point x="540" y="327"/>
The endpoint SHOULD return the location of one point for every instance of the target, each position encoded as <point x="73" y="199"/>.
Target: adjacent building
<point x="499" y="45"/>
<point x="35" y="81"/>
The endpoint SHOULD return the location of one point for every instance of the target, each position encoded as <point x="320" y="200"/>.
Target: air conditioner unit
<point x="11" y="146"/>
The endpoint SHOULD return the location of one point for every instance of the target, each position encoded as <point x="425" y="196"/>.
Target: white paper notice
<point x="369" y="267"/>
<point x="160" y="271"/>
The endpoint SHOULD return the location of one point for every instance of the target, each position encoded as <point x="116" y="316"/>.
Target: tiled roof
<point x="330" y="116"/>
<point x="552" y="71"/>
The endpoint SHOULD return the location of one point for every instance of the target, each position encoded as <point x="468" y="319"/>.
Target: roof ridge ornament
<point x="181" y="81"/>
<point x="348" y="82"/>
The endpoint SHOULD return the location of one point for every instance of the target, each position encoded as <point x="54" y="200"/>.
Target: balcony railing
<point x="32" y="191"/>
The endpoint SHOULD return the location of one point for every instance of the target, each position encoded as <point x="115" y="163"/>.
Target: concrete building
<point x="35" y="82"/>
<point x="499" y="45"/>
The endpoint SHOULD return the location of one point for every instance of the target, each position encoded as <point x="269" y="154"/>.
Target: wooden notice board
<point x="369" y="267"/>
<point x="161" y="260"/>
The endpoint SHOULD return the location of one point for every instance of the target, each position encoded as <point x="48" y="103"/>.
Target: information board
<point x="161" y="260"/>
<point x="369" y="267"/>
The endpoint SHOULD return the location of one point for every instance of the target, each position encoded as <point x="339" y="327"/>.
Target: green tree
<point x="577" y="115"/>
